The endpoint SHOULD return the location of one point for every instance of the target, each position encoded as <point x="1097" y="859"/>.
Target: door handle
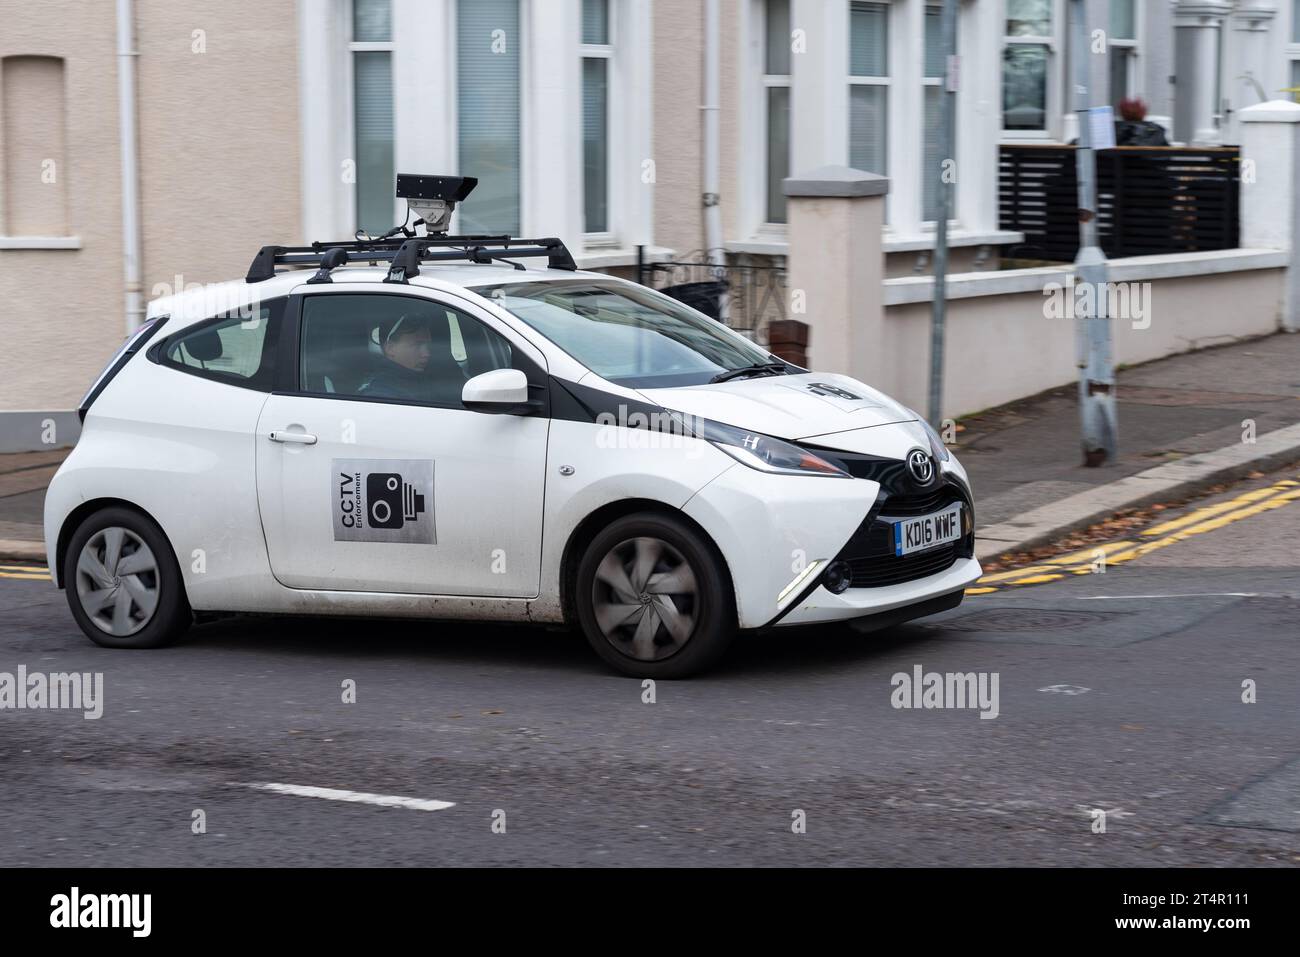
<point x="302" y="438"/>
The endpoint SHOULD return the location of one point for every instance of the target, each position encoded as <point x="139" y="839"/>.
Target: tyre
<point x="653" y="598"/>
<point x="123" y="584"/>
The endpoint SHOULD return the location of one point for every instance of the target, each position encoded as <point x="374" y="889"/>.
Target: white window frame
<point x="348" y="120"/>
<point x="826" y="80"/>
<point x="608" y="51"/>
<point x="886" y="81"/>
<point x="769" y="81"/>
<point x="1055" y="43"/>
<point x="906" y="128"/>
<point x="1133" y="62"/>
<point x="929" y="81"/>
<point x="425" y="131"/>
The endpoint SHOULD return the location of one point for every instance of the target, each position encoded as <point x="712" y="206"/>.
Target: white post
<point x="326" y="196"/>
<point x="836" y="268"/>
<point x="819" y="92"/>
<point x="551" y="131"/>
<point x="1270" y="190"/>
<point x="637" y="128"/>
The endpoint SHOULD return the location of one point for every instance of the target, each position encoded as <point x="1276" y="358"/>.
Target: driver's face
<point x="411" y="350"/>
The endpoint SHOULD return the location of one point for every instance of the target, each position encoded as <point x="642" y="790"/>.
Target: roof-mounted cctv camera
<point x="434" y="198"/>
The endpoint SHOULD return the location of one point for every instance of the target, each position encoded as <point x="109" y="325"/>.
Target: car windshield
<point x="628" y="334"/>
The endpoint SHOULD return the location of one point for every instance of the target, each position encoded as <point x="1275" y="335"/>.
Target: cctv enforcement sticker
<point x="383" y="500"/>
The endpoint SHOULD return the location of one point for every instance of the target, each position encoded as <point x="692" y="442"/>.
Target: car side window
<point x="394" y="348"/>
<point x="238" y="348"/>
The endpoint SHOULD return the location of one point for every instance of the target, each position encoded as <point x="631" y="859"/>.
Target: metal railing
<point x="748" y="293"/>
<point x="1151" y="200"/>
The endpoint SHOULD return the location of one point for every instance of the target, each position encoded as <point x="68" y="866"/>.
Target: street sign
<point x="1101" y="124"/>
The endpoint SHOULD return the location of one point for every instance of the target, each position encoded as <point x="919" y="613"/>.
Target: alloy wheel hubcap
<point x="117" y="581"/>
<point x="645" y="598"/>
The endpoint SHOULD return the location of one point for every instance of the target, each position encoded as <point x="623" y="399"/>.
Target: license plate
<point x="927" y="531"/>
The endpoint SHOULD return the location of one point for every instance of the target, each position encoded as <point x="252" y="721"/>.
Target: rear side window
<point x="238" y="349"/>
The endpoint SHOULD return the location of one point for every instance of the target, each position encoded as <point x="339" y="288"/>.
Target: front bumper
<point x="770" y="527"/>
<point x="880" y="581"/>
<point x="822" y="606"/>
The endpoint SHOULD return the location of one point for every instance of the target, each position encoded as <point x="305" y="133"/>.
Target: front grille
<point x="910" y="506"/>
<point x="894" y="570"/>
<point x="870" y="552"/>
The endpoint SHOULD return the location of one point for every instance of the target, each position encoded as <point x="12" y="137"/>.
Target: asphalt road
<point x="1119" y="692"/>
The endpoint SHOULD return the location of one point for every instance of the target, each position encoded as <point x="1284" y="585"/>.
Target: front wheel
<point x="124" y="586"/>
<point x="653" y="598"/>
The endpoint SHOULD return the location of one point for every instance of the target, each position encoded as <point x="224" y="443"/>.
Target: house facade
<point x="146" y="144"/>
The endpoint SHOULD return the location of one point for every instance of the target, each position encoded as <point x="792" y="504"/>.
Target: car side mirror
<point x="499" y="391"/>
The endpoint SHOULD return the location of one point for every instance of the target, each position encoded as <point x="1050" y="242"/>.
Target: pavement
<point x="1186" y="423"/>
<point x="1146" y="716"/>
<point x="24" y="477"/>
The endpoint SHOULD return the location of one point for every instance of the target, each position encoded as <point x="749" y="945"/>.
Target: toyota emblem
<point x="921" y="466"/>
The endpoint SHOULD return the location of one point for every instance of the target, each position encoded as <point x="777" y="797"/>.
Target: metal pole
<point x="947" y="142"/>
<point x="1096" y="368"/>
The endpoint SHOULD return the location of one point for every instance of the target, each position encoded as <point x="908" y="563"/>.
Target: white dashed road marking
<point x="1204" y="594"/>
<point x="355" y="797"/>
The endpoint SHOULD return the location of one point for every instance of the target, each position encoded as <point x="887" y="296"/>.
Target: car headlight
<point x="763" y="452"/>
<point x="937" y="449"/>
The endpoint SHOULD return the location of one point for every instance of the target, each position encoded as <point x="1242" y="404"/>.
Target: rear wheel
<point x="123" y="584"/>
<point x="653" y="598"/>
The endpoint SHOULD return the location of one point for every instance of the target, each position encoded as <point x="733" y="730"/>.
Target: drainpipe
<point x="126" y="118"/>
<point x="712" y="134"/>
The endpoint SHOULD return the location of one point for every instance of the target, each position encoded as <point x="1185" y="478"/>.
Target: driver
<point x="407" y="346"/>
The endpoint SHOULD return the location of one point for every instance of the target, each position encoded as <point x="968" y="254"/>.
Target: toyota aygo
<point x="430" y="427"/>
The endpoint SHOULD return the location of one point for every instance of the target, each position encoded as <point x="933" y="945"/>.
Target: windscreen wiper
<point x="761" y="368"/>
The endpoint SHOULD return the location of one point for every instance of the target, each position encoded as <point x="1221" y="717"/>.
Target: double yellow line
<point x="1087" y="561"/>
<point x="31" y="573"/>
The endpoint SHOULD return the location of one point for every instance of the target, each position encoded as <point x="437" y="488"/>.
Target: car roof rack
<point x="405" y="254"/>
<point x="432" y="199"/>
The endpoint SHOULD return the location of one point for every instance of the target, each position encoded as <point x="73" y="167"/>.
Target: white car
<point x="431" y="429"/>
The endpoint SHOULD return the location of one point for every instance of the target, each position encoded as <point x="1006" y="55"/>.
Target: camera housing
<point x="434" y="198"/>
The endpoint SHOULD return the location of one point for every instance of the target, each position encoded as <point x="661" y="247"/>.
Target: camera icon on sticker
<point x="392" y="502"/>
